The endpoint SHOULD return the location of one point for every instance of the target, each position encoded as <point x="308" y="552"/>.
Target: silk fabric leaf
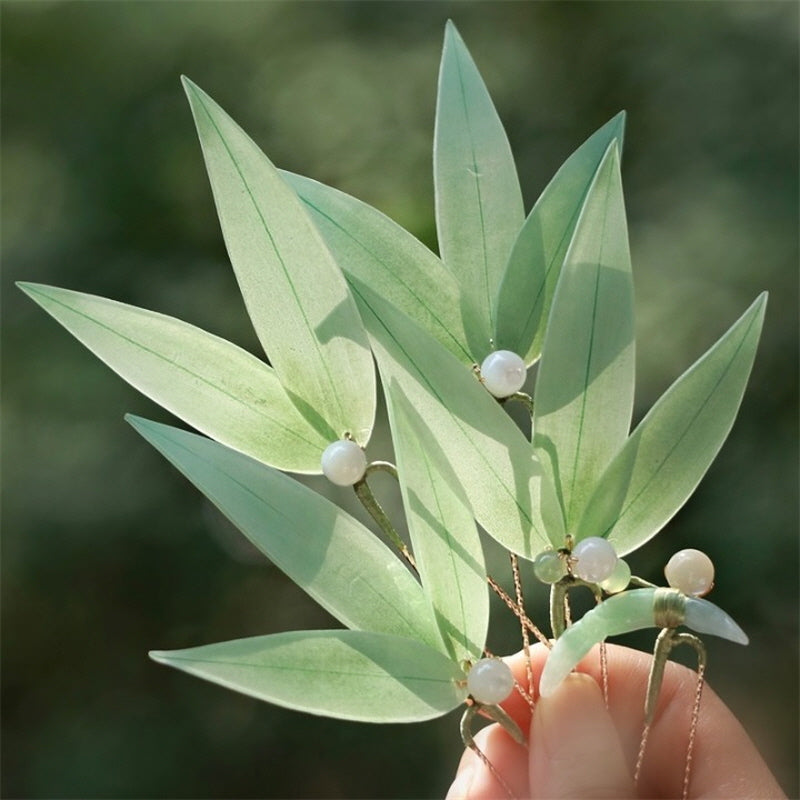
<point x="295" y="293"/>
<point x="493" y="461"/>
<point x="367" y="677"/>
<point x="529" y="281"/>
<point x="373" y="249"/>
<point x="444" y="537"/>
<point x="326" y="552"/>
<point x="479" y="208"/>
<point x="584" y="390"/>
<point x="671" y="449"/>
<point x="213" y="385"/>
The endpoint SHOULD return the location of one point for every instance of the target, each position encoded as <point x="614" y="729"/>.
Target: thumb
<point x="575" y="750"/>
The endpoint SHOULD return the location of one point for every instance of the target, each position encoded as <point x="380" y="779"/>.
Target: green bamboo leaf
<point x="479" y="208"/>
<point x="672" y="448"/>
<point x="373" y="249"/>
<point x="295" y="293"/>
<point x="492" y="459"/>
<point x="529" y="281"/>
<point x="444" y="537"/>
<point x="584" y="390"/>
<point x="326" y="552"/>
<point x="211" y="384"/>
<point x="367" y="677"/>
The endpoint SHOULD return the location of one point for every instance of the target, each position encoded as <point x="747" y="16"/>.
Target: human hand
<point x="579" y="749"/>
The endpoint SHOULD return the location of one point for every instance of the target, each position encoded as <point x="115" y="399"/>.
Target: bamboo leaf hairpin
<point x="330" y="285"/>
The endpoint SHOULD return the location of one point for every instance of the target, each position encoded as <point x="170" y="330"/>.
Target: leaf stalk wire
<point x="560" y="618"/>
<point x="668" y="639"/>
<point x="381" y="466"/>
<point x="375" y="510"/>
<point x="472" y="709"/>
<point x="520" y="613"/>
<point x="526" y="643"/>
<point x="604" y="671"/>
<point x="521" y="397"/>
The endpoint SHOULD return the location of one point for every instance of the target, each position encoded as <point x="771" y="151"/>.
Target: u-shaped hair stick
<point x="622" y="613"/>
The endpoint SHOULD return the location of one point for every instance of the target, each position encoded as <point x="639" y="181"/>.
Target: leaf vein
<point x="332" y="386"/>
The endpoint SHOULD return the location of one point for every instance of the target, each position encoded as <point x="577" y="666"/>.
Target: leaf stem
<point x="381" y="466"/>
<point x="559" y="599"/>
<point x="521" y="397"/>
<point x="375" y="510"/>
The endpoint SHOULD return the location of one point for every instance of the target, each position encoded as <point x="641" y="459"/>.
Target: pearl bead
<point x="344" y="462"/>
<point x="595" y="559"/>
<point x="503" y="373"/>
<point x="690" y="571"/>
<point x="549" y="567"/>
<point x="490" y="681"/>
<point x="618" y="580"/>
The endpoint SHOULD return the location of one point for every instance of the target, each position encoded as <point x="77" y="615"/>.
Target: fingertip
<point x="462" y="784"/>
<point x="575" y="750"/>
<point x="502" y="770"/>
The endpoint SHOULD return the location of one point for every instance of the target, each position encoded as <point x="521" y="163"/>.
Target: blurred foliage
<point x="107" y="553"/>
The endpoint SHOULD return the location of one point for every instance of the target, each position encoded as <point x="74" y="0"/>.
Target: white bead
<point x="344" y="462"/>
<point x="618" y="580"/>
<point x="503" y="373"/>
<point x="595" y="559"/>
<point x="691" y="571"/>
<point x="490" y="681"/>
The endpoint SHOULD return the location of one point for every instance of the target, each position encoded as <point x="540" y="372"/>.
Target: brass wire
<point x="669" y="608"/>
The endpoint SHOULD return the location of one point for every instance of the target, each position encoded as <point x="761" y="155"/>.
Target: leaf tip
<point x="146" y="428"/>
<point x="761" y="306"/>
<point x="38" y="292"/>
<point x="609" y="163"/>
<point x="159" y="656"/>
<point x="194" y="94"/>
<point x="619" y="121"/>
<point x="133" y="420"/>
<point x="188" y="84"/>
<point x="758" y="308"/>
<point x="451" y="34"/>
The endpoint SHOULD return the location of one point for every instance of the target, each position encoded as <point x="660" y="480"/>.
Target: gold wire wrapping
<point x="669" y="608"/>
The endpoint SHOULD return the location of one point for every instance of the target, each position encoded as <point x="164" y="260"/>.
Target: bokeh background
<point x="107" y="552"/>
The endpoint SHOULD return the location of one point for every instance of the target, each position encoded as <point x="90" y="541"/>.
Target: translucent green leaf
<point x="444" y="537"/>
<point x="295" y="293"/>
<point x="493" y="461"/>
<point x="330" y="555"/>
<point x="584" y="390"/>
<point x="479" y="208"/>
<point x="211" y="384"/>
<point x="367" y="677"/>
<point x="380" y="253"/>
<point x="669" y="452"/>
<point x="526" y="292"/>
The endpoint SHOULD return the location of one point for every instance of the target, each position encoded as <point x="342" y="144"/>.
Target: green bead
<point x="549" y="567"/>
<point x="618" y="580"/>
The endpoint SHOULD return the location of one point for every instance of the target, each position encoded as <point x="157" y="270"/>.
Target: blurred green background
<point x="107" y="552"/>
